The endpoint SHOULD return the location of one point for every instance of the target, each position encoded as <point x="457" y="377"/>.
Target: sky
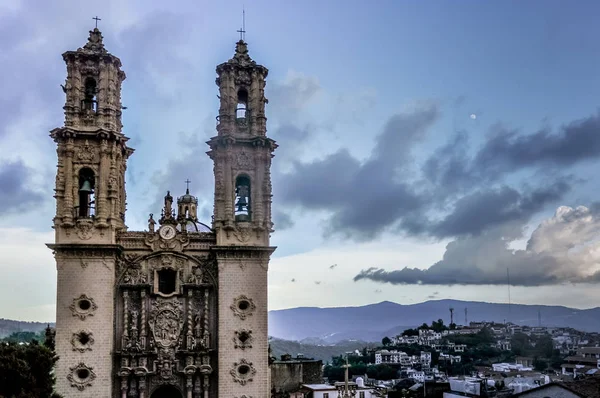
<point x="426" y="149"/>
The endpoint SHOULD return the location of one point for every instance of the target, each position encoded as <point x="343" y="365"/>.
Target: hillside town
<point x="481" y="359"/>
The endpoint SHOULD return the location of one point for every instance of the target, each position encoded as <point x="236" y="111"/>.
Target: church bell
<point x="242" y="203"/>
<point x="86" y="187"/>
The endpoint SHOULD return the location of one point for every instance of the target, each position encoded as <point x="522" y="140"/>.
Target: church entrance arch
<point x="166" y="392"/>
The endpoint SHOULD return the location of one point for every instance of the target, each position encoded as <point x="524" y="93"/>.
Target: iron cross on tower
<point x="97" y="19"/>
<point x="187" y="184"/>
<point x="242" y="31"/>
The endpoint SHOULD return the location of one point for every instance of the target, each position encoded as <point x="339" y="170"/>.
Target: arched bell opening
<point x="241" y="110"/>
<point x="242" y="198"/>
<point x="90" y="90"/>
<point x="87" y="182"/>
<point x="166" y="392"/>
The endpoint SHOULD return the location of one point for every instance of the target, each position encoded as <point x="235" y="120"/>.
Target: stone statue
<point x="151" y="223"/>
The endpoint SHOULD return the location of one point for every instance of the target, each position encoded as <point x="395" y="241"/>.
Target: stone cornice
<point x="239" y="252"/>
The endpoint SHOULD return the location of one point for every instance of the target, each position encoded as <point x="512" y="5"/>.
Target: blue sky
<point x="425" y="147"/>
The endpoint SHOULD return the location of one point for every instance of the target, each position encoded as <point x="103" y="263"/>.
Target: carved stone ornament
<point x="135" y="275"/>
<point x="243" y="339"/>
<point x="242" y="307"/>
<point x="85" y="228"/>
<point x="166" y="322"/>
<point x="242" y="371"/>
<point x="81" y="376"/>
<point x="82" y="341"/>
<point x="83" y="306"/>
<point x="242" y="234"/>
<point x="85" y="153"/>
<point x="243" y="161"/>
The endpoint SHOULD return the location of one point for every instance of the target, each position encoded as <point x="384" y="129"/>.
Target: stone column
<point x="68" y="196"/>
<point x="102" y="185"/>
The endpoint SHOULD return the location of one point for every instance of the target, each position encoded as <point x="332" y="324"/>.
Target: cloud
<point x="574" y="142"/>
<point x="15" y="193"/>
<point x="282" y="220"/>
<point x="365" y="198"/>
<point x="294" y="93"/>
<point x="507" y="151"/>
<point x="562" y="249"/>
<point x="479" y="210"/>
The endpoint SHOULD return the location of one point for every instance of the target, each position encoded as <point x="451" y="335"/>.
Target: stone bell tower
<point x="242" y="154"/>
<point x="90" y="212"/>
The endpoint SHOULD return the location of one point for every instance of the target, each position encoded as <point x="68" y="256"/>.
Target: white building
<point x="330" y="391"/>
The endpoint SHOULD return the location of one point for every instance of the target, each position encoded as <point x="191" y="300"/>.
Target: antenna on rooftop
<point x="451" y="315"/>
<point x="466" y="321"/>
<point x="508" y="286"/>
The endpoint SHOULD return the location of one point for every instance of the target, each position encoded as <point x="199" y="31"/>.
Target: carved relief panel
<point x="167" y="313"/>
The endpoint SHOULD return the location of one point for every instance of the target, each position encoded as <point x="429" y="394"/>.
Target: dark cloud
<point x="15" y="193"/>
<point x="282" y="220"/>
<point x="368" y="197"/>
<point x="562" y="249"/>
<point x="507" y="151"/>
<point x="574" y="142"/>
<point x="479" y="210"/>
<point x="293" y="93"/>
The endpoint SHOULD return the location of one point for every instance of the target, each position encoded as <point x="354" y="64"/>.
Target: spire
<point x="94" y="44"/>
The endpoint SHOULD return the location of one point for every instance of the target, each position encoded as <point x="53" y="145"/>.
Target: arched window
<point x="89" y="99"/>
<point x="87" y="183"/>
<point x="242" y="104"/>
<point x="167" y="281"/>
<point x="242" y="198"/>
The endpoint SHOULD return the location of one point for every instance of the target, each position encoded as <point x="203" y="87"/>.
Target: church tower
<point x="180" y="309"/>
<point x="90" y="212"/>
<point x="241" y="153"/>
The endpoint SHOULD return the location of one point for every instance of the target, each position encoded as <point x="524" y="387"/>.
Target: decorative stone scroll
<point x="243" y="339"/>
<point x="81" y="376"/>
<point x="83" y="306"/>
<point x="242" y="307"/>
<point x="82" y="341"/>
<point x="243" y="371"/>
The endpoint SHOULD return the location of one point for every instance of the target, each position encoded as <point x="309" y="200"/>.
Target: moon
<point x="473" y="116"/>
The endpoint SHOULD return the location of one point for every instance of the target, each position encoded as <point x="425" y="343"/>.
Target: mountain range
<point x="375" y="321"/>
<point x="370" y="323"/>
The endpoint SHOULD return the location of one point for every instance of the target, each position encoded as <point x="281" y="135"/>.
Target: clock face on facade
<point x="167" y="232"/>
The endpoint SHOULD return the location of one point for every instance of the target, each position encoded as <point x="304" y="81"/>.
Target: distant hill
<point x="370" y="323"/>
<point x="8" y="327"/>
<point x="375" y="321"/>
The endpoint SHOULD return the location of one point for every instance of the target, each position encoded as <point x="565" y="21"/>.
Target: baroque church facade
<point x="179" y="310"/>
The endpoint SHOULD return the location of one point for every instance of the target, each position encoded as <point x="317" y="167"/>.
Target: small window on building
<point x="325" y="395"/>
<point x="167" y="281"/>
<point x="242" y="199"/>
<point x="362" y="394"/>
<point x="242" y="104"/>
<point x="89" y="99"/>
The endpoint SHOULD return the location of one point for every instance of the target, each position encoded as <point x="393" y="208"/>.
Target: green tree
<point x="520" y="344"/>
<point x="544" y="346"/>
<point x="411" y="332"/>
<point x="26" y="370"/>
<point x="386" y="341"/>
<point x="540" y="364"/>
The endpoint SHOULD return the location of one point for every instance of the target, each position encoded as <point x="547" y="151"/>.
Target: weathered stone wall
<point x="84" y="280"/>
<point x="287" y="376"/>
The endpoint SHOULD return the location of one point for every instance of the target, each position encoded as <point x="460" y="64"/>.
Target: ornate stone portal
<point x="179" y="309"/>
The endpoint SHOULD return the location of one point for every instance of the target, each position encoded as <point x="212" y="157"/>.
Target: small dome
<point x="187" y="198"/>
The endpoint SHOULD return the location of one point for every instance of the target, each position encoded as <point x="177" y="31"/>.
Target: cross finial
<point x="187" y="183"/>
<point x="97" y="19"/>
<point x="242" y="31"/>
